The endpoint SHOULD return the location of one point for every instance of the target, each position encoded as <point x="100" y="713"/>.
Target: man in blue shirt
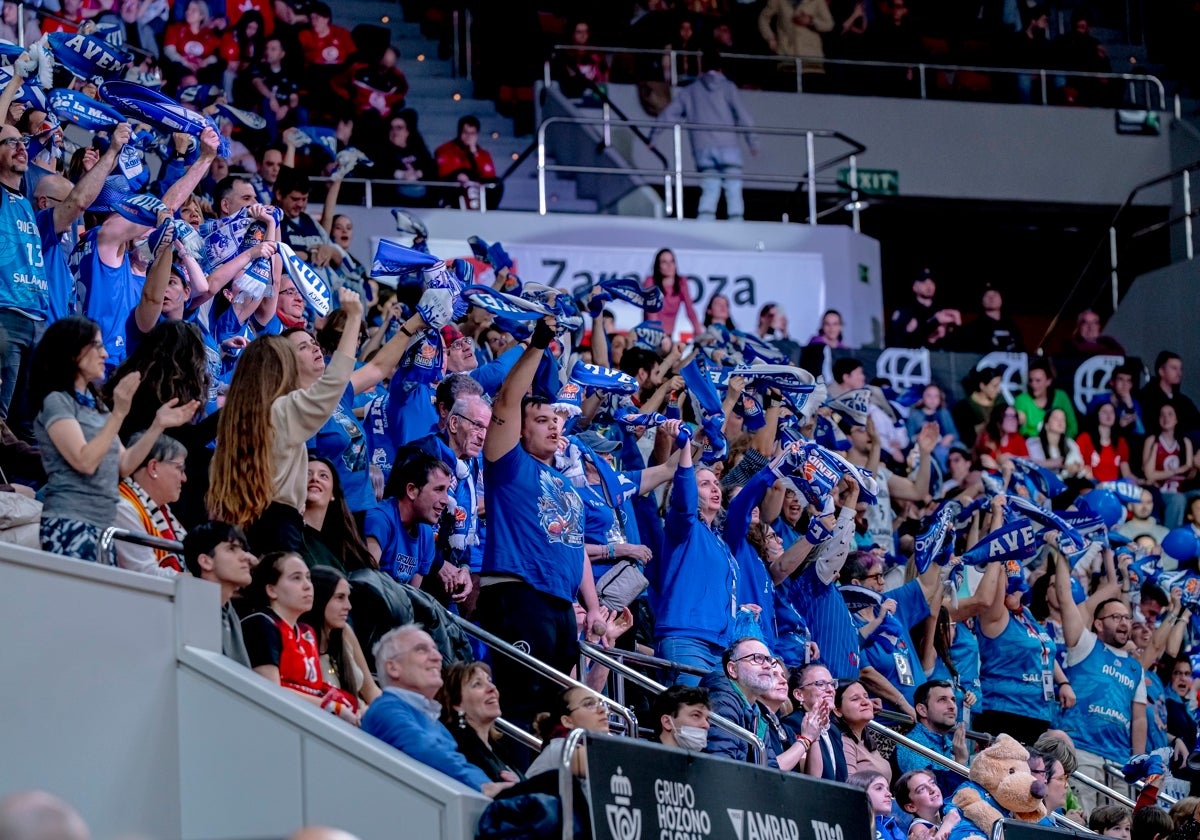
<point x="534" y="563"/>
<point x="399" y="529"/>
<point x="938" y="729"/>
<point x="406" y="714"/>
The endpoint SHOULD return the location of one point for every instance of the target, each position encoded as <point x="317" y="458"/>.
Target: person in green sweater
<point x="1040" y="398"/>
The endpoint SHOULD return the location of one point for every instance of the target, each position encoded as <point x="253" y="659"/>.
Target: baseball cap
<point x="598" y="442"/>
<point x="450" y="334"/>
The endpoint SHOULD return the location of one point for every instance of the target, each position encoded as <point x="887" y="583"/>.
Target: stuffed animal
<point x="1000" y="786"/>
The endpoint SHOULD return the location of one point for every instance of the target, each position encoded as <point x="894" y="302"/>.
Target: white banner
<point x="794" y="281"/>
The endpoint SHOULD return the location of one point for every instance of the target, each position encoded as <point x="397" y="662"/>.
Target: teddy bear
<point x="1000" y="786"/>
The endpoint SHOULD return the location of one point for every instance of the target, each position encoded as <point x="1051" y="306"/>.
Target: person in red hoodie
<point x="325" y="46"/>
<point x="462" y="160"/>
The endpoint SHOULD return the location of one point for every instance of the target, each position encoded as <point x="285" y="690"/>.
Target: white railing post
<point x="677" y="139"/>
<point x="541" y="169"/>
<point x="854" y="209"/>
<point x="810" y="144"/>
<point x="1187" y="211"/>
<point x="921" y="72"/>
<point x="1114" y="276"/>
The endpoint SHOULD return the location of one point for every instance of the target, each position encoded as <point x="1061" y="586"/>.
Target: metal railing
<point x="673" y="177"/>
<point x="538" y="667"/>
<point x="961" y="769"/>
<point x="106" y="550"/>
<point x="1112" y="237"/>
<point x="566" y="788"/>
<point x="1133" y="81"/>
<point x="515" y="732"/>
<point x="1111" y="769"/>
<point x="646" y="661"/>
<point x="369" y="185"/>
<point x="600" y="656"/>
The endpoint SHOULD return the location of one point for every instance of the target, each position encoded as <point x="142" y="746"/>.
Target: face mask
<point x="691" y="738"/>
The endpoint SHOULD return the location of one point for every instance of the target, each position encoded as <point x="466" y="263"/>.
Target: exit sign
<point x="873" y="181"/>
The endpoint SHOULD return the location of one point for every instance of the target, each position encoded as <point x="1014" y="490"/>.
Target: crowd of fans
<point x="823" y="34"/>
<point x="194" y="357"/>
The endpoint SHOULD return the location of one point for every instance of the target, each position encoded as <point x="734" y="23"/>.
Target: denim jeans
<point x="721" y="165"/>
<point x="694" y="653"/>
<point x="20" y="334"/>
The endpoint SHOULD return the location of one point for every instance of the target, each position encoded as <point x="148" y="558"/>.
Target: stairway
<point x="440" y="100"/>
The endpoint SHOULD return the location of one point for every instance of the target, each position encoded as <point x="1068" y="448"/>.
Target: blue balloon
<point x="1181" y="544"/>
<point x="1105" y="504"/>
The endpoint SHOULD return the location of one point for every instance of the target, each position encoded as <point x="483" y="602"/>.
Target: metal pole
<point x="799" y="76"/>
<point x="483" y="192"/>
<point x="1187" y="211"/>
<point x="921" y="71"/>
<point x="607" y="126"/>
<point x="467" y="43"/>
<point x="810" y="143"/>
<point x="1112" y="254"/>
<point x="566" y="791"/>
<point x="677" y="136"/>
<point x="668" y="196"/>
<point x="674" y="73"/>
<point x="455" y="65"/>
<point x="1045" y="97"/>
<point x="368" y="195"/>
<point x="854" y="192"/>
<point x="1104" y="789"/>
<point x="21" y="24"/>
<point x="541" y="169"/>
<point x="518" y="734"/>
<point x="546" y="73"/>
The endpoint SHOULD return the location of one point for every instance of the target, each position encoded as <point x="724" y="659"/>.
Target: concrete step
<point x="417" y="65"/>
<point x="437" y="87"/>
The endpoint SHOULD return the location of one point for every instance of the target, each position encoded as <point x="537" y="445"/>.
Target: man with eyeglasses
<point x="1109" y="722"/>
<point x="406" y="714"/>
<point x="938" y="729"/>
<point x="454" y="576"/>
<point x="734" y="693"/>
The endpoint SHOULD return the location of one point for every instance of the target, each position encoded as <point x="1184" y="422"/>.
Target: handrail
<point x="654" y="662"/>
<point x="1114" y="770"/>
<point x="566" y="791"/>
<point x="370" y="183"/>
<point x="105" y="550"/>
<point x="601" y="656"/>
<point x="1100" y="787"/>
<point x="1110" y="239"/>
<point x="513" y="731"/>
<point x="676" y="128"/>
<point x="536" y="665"/>
<point x="950" y="764"/>
<point x="922" y="66"/>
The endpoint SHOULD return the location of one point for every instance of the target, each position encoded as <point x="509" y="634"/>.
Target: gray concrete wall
<point x="959" y="150"/>
<point x="1159" y="313"/>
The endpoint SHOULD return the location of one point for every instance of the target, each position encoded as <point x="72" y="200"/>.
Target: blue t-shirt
<point x="402" y="554"/>
<point x="23" y="274"/>
<point x="1156" y="712"/>
<point x="342" y="442"/>
<point x="892" y="643"/>
<point x="832" y="627"/>
<point x="1108" y="684"/>
<point x="535" y="524"/>
<point x="63" y="300"/>
<point x="1011" y="668"/>
<point x="109" y="292"/>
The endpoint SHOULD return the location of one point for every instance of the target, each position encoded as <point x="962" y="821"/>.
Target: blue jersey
<point x="694" y="586"/>
<point x="754" y="580"/>
<point x="23" y="277"/>
<point x="402" y="554"/>
<point x="964" y="653"/>
<point x="1012" y="667"/>
<point x="109" y="292"/>
<point x="890" y="650"/>
<point x="341" y="441"/>
<point x="787" y="534"/>
<point x="63" y="300"/>
<point x="1156" y="712"/>
<point x="535" y="524"/>
<point x="791" y="630"/>
<point x="833" y="630"/>
<point x="1108" y="684"/>
<point x="381" y="452"/>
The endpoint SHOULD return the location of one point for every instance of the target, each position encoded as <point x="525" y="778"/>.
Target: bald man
<point x="37" y="815"/>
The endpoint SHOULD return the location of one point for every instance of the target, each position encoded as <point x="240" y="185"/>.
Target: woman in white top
<point x="1052" y="449"/>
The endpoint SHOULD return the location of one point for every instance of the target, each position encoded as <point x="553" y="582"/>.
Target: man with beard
<point x="734" y="692"/>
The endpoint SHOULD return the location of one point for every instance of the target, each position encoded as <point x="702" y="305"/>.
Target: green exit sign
<point x="873" y="181"/>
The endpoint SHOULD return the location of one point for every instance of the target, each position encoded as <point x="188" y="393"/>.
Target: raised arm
<point x="1072" y="617"/>
<point x="89" y="186"/>
<point x="917" y="489"/>
<point x="384" y="363"/>
<point x="149" y="308"/>
<point x="505" y="431"/>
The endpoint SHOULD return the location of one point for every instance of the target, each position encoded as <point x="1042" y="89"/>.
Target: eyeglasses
<point x="464" y="343"/>
<point x="589" y="703"/>
<point x="820" y="684"/>
<point x="13" y="142"/>
<point x="759" y="659"/>
<point x="288" y="292"/>
<point x="474" y="424"/>
<point x="179" y="465"/>
<point x="1181" y="673"/>
<point x="879" y="576"/>
<point x="1119" y="617"/>
<point x="97" y="344"/>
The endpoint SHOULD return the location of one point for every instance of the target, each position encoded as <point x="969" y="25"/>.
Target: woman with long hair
<point x="574" y="708"/>
<point x="342" y="662"/>
<point x="260" y="470"/>
<point x="1167" y="461"/>
<point x="341" y="438"/>
<point x="717" y="312"/>
<point x="1001" y="437"/>
<point x="675" y="293"/>
<point x="971" y="414"/>
<point x="470" y="709"/>
<point x="830" y="331"/>
<point x="879" y="803"/>
<point x="331" y="536"/>
<point x="1105" y="451"/>
<point x="854" y="710"/>
<point x="282" y="648"/>
<point x="1041" y="396"/>
<point x="1053" y="449"/>
<point x="77" y="435"/>
<point x="241" y="47"/>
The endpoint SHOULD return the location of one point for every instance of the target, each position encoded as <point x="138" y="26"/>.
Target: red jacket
<point x="453" y="157"/>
